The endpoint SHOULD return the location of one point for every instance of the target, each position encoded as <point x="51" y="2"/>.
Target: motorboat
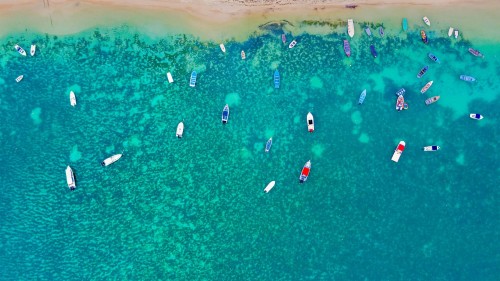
<point x="292" y="44"/>
<point x="456" y="33"/>
<point x="243" y="55"/>
<point x="427" y="21"/>
<point x="310" y="122"/>
<point x="400" y="102"/>
<point x="433" y="57"/>
<point x="347" y="48"/>
<point x="33" y="49"/>
<point x="432" y="100"/>
<point x="269" y="186"/>
<point x="19" y="78"/>
<point x="476" y="116"/>
<point x="368" y="31"/>
<point x="450" y="31"/>
<point x="305" y="172"/>
<point x="373" y="51"/>
<point x="269" y="143"/>
<point x="381" y="31"/>
<point x="225" y="114"/>
<point x="424" y="37"/>
<point x="362" y="97"/>
<point x="475" y="52"/>
<point x="110" y="160"/>
<point x="467" y="78"/>
<point x="169" y="77"/>
<point x="20" y="50"/>
<point x="405" y="24"/>
<point x="350" y="27"/>
<point x="72" y="98"/>
<point x="180" y="130"/>
<point x="192" y="81"/>
<point x="70" y="178"/>
<point x="426" y="87"/>
<point x="222" y="48"/>
<point x="283" y="38"/>
<point x="276" y="79"/>
<point x="399" y="149"/>
<point x="422" y="71"/>
<point x="431" y="148"/>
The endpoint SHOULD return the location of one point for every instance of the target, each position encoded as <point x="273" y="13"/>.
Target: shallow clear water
<point x="194" y="208"/>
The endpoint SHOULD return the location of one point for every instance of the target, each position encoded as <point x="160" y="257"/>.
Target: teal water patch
<point x="180" y="208"/>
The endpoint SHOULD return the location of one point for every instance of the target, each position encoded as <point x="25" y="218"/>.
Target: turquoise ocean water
<point x="194" y="208"/>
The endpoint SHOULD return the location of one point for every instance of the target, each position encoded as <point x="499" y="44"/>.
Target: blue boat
<point x="192" y="81"/>
<point x="467" y="78"/>
<point x="368" y="31"/>
<point x="374" y="52"/>
<point x="276" y="79"/>
<point x="269" y="143"/>
<point x="434" y="58"/>
<point x="422" y="71"/>
<point x="225" y="114"/>
<point x="405" y="24"/>
<point x="381" y="31"/>
<point x="362" y="97"/>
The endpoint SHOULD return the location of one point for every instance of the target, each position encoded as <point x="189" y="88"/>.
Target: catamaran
<point x="426" y="87"/>
<point x="350" y="27"/>
<point x="276" y="79"/>
<point x="180" y="130"/>
<point x="305" y="172"/>
<point x="110" y="160"/>
<point x="20" y="50"/>
<point x="269" y="143"/>
<point x="362" y="97"/>
<point x="225" y="114"/>
<point x="70" y="178"/>
<point x="310" y="122"/>
<point x="192" y="81"/>
<point x="431" y="148"/>
<point x="72" y="98"/>
<point x="399" y="149"/>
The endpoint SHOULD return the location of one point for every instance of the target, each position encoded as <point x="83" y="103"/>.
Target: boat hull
<point x="350" y="28"/>
<point x="450" y="31"/>
<point x="347" y="48"/>
<point x="373" y="51"/>
<point x="400" y="102"/>
<point x="20" y="50"/>
<point x="427" y="21"/>
<point x="222" y="48"/>
<point x="292" y="44"/>
<point x="243" y="55"/>
<point x="70" y="178"/>
<point x="269" y="186"/>
<point x="476" y="116"/>
<point x="310" y="122"/>
<point x="431" y="148"/>
<point x="432" y="100"/>
<point x="269" y="143"/>
<point x="305" y="172"/>
<point x="72" y="98"/>
<point x="422" y="71"/>
<point x="426" y="87"/>
<point x="180" y="130"/>
<point x="362" y="97"/>
<point x="19" y="78"/>
<point x="170" y="78"/>
<point x="399" y="150"/>
<point x="276" y="79"/>
<point x="33" y="50"/>
<point x="192" y="80"/>
<point x="225" y="114"/>
<point x="110" y="160"/>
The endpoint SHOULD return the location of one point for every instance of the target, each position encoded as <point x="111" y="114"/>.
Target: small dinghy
<point x="347" y="48"/>
<point x="70" y="178"/>
<point x="362" y="97"/>
<point x="381" y="31"/>
<point x="310" y="122"/>
<point x="432" y="100"/>
<point x="225" y="114"/>
<point x="368" y="31"/>
<point x="20" y="50"/>
<point x="192" y="81"/>
<point x="180" y="130"/>
<point x="399" y="149"/>
<point x="424" y="37"/>
<point x="305" y="172"/>
<point x="292" y="44"/>
<point x="427" y="21"/>
<point x="422" y="71"/>
<point x="33" y="50"/>
<point x="269" y="186"/>
<point x="431" y="148"/>
<point x="110" y="160"/>
<point x="283" y="38"/>
<point x="169" y="77"/>
<point x="72" y="98"/>
<point x="476" y="116"/>
<point x="475" y="53"/>
<point x="276" y="79"/>
<point x="467" y="78"/>
<point x="426" y="87"/>
<point x="222" y="48"/>
<point x="243" y="55"/>
<point x="433" y="57"/>
<point x="19" y="78"/>
<point x="269" y="143"/>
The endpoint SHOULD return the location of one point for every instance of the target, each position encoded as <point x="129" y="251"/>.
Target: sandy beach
<point x="236" y="19"/>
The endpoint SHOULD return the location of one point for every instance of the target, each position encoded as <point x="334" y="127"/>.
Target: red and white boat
<point x="243" y="55"/>
<point x="310" y="122"/>
<point x="426" y="87"/>
<point x="305" y="172"/>
<point x="292" y="44"/>
<point x="400" y="102"/>
<point x="398" y="151"/>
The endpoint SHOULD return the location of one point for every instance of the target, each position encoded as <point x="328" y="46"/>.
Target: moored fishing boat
<point x="427" y="21"/>
<point x="368" y="31"/>
<point x="362" y="97"/>
<point x="432" y="100"/>
<point x="475" y="52"/>
<point x="400" y="102"/>
<point x="110" y="160"/>
<point x="292" y="44"/>
<point x="381" y="31"/>
<point x="225" y="114"/>
<point x="422" y="71"/>
<point x="180" y="130"/>
<point x="192" y="80"/>
<point x="310" y="122"/>
<point x="433" y="57"/>
<point x="424" y="37"/>
<point x="476" y="116"/>
<point x="373" y="51"/>
<point x="276" y="79"/>
<point x="243" y="55"/>
<point x="431" y="148"/>
<point x="72" y="98"/>
<point x="283" y="38"/>
<point x="169" y="77"/>
<point x="19" y="78"/>
<point x="269" y="143"/>
<point x="399" y="149"/>
<point x="269" y="186"/>
<point x="350" y="27"/>
<point x="20" y="50"/>
<point x="450" y="31"/>
<point x="405" y="24"/>
<point x="33" y="49"/>
<point x="70" y="178"/>
<point x="467" y="78"/>
<point x="222" y="48"/>
<point x="426" y="87"/>
<point x="347" y="48"/>
<point x="305" y="172"/>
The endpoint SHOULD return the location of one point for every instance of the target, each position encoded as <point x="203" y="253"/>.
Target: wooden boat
<point x="19" y="78"/>
<point x="450" y="31"/>
<point x="362" y="97"/>
<point x="381" y="31"/>
<point x="426" y="87"/>
<point x="276" y="79"/>
<point x="310" y="122"/>
<point x="225" y="114"/>
<point x="424" y="37"/>
<point x="400" y="102"/>
<point x="70" y="178"/>
<point x="243" y="55"/>
<point x="192" y="81"/>
<point x="399" y="150"/>
<point x="476" y="116"/>
<point x="350" y="27"/>
<point x="223" y="49"/>
<point x="269" y="143"/>
<point x="467" y="78"/>
<point x="433" y="57"/>
<point x="269" y="186"/>
<point x="169" y="77"/>
<point x="422" y="71"/>
<point x="292" y="44"/>
<point x="305" y="172"/>
<point x="427" y="21"/>
<point x="20" y="50"/>
<point x="431" y="148"/>
<point x="405" y="24"/>
<point x="368" y="31"/>
<point x="110" y="160"/>
<point x="456" y="34"/>
<point x="33" y="49"/>
<point x="180" y="130"/>
<point x="373" y="51"/>
<point x="432" y="100"/>
<point x="475" y="52"/>
<point x="283" y="38"/>
<point x="72" y="98"/>
<point x="347" y="48"/>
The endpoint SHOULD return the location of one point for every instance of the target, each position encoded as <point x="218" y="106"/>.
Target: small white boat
<point x="243" y="55"/>
<point x="426" y="87"/>
<point x="269" y="186"/>
<point x="362" y="97"/>
<point x="310" y="122"/>
<point x="431" y="148"/>
<point x="292" y="44"/>
<point x="269" y="143"/>
<point x="33" y="50"/>
<point x="72" y="98"/>
<point x="192" y="80"/>
<point x="20" y="50"/>
<point x="180" y="130"/>
<point x="169" y="77"/>
<point x="476" y="116"/>
<point x="70" y="178"/>
<point x="223" y="49"/>
<point x="456" y="34"/>
<point x="450" y="31"/>
<point x="398" y="151"/>
<point x="110" y="160"/>
<point x="350" y="27"/>
<point x="19" y="78"/>
<point x="427" y="21"/>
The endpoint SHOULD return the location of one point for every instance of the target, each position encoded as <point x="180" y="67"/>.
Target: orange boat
<point x="424" y="36"/>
